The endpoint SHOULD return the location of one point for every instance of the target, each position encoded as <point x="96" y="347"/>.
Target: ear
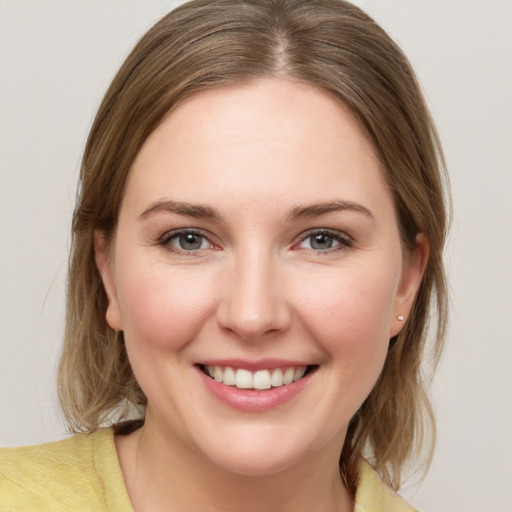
<point x="104" y="263"/>
<point x="412" y="274"/>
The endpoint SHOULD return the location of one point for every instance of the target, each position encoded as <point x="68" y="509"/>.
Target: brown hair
<point x="331" y="45"/>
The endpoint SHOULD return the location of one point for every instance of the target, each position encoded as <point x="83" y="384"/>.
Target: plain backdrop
<point x="56" y="60"/>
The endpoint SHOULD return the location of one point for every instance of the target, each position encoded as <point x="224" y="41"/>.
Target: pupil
<point x="321" y="242"/>
<point x="190" y="241"/>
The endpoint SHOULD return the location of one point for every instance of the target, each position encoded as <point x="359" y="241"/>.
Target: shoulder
<point x="63" y="475"/>
<point x="373" y="495"/>
<point x="26" y="460"/>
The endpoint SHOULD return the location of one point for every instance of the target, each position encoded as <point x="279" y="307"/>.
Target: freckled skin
<point x="257" y="290"/>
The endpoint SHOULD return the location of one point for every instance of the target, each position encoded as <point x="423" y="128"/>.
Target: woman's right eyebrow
<point x="181" y="208"/>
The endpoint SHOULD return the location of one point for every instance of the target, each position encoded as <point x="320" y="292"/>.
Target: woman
<point x="257" y="244"/>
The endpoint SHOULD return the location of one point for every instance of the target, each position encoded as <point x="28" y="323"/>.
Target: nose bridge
<point x="254" y="303"/>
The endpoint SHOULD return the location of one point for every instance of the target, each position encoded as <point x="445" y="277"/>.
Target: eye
<point x="185" y="241"/>
<point x="324" y="240"/>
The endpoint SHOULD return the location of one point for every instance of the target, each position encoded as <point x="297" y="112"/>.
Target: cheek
<point x="350" y="317"/>
<point x="163" y="306"/>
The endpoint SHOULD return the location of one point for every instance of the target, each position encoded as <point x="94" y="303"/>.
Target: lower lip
<point x="250" y="400"/>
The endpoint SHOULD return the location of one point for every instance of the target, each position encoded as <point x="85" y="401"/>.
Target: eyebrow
<point x="187" y="209"/>
<point x="317" y="209"/>
<point x="297" y="212"/>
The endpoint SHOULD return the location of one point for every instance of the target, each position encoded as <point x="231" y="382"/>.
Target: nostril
<point x="252" y="325"/>
<point x="253" y="303"/>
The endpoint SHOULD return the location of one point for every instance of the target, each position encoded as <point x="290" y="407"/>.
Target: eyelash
<point x="343" y="240"/>
<point x="165" y="241"/>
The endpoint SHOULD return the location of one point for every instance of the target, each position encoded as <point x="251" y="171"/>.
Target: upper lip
<point x="260" y="364"/>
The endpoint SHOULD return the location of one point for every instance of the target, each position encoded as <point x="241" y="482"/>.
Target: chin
<point x="255" y="465"/>
<point x="259" y="455"/>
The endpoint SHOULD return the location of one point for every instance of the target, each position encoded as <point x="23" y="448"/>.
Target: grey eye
<point x="321" y="242"/>
<point x="324" y="241"/>
<point x="189" y="241"/>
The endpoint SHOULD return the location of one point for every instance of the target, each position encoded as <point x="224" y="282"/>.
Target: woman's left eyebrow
<point x="317" y="209"/>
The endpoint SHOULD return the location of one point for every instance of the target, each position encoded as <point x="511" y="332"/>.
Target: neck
<point x="164" y="474"/>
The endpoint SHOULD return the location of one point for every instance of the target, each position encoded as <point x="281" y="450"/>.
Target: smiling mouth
<point x="259" y="380"/>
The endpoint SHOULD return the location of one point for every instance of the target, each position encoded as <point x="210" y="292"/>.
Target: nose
<point x="253" y="303"/>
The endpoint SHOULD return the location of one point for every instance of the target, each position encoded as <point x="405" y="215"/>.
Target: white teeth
<point x="261" y="379"/>
<point x="277" y="378"/>
<point x="217" y="374"/>
<point x="229" y="376"/>
<point x="288" y="376"/>
<point x="299" y="373"/>
<point x="243" y="379"/>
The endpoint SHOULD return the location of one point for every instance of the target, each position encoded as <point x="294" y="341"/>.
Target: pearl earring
<point x="400" y="318"/>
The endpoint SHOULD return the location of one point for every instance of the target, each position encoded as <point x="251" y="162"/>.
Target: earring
<point x="400" y="318"/>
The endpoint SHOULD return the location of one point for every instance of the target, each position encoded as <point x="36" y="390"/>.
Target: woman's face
<point x="257" y="242"/>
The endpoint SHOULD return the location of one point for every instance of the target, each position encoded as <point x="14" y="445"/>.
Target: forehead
<point x="273" y="139"/>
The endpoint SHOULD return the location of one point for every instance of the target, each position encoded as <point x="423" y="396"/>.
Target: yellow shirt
<point x="82" y="473"/>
